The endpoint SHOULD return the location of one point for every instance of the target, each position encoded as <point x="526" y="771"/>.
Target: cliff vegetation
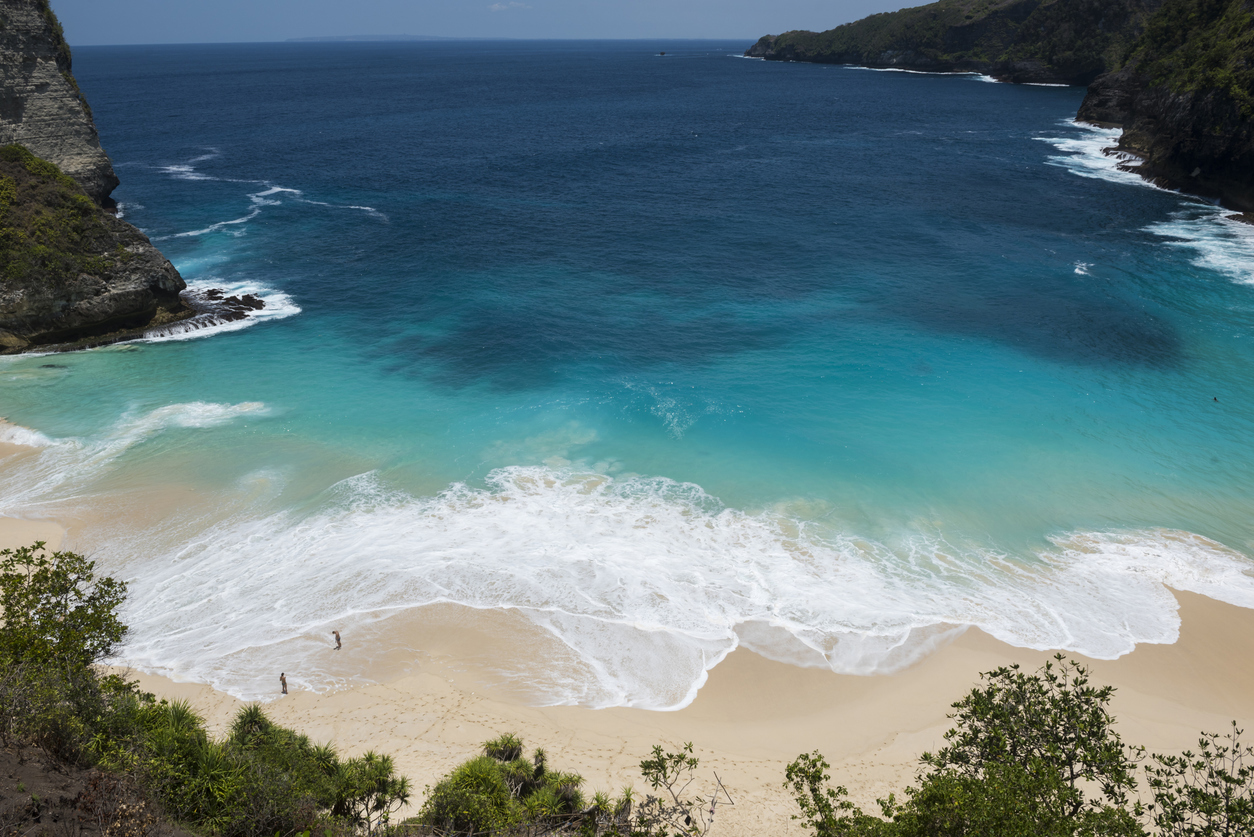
<point x="1185" y="100"/>
<point x="69" y="270"/>
<point x="48" y="226"/>
<point x="87" y="753"/>
<point x="1049" y="41"/>
<point x="1202" y="46"/>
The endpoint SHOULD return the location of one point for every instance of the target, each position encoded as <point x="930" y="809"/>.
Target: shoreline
<point x="751" y="718"/>
<point x="754" y="715"/>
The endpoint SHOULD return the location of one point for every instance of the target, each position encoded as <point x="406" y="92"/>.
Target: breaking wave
<point x="644" y="584"/>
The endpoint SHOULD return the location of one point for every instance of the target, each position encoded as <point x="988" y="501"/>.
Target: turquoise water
<point x="667" y="354"/>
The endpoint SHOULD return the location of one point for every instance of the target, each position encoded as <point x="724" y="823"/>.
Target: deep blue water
<point x="669" y="353"/>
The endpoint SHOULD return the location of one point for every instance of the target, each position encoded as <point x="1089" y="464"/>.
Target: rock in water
<point x="70" y="272"/>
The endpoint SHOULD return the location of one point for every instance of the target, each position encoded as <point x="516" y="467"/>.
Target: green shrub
<point x="1035" y="755"/>
<point x="473" y="799"/>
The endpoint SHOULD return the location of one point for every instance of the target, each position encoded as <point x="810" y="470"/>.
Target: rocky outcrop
<point x="69" y="270"/>
<point x="1023" y="41"/>
<point x="71" y="273"/>
<point x="1185" y="100"/>
<point x="41" y="106"/>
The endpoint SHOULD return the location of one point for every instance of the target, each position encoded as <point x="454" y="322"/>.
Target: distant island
<point x="1176" y="75"/>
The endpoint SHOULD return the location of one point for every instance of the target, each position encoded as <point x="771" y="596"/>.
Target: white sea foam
<point x="1082" y="268"/>
<point x="1089" y="151"/>
<point x="916" y="72"/>
<point x="646" y="584"/>
<point x="16" y="434"/>
<point x="67" y="465"/>
<point x="184" y="171"/>
<point x="1220" y="243"/>
<point x="278" y="306"/>
<point x="272" y="195"/>
<point x="641" y="584"/>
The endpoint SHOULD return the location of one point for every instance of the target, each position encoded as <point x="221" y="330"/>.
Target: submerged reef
<point x="70" y="271"/>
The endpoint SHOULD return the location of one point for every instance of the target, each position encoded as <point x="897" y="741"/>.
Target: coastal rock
<point x="1185" y="101"/>
<point x="69" y="270"/>
<point x="41" y="106"/>
<point x="138" y="291"/>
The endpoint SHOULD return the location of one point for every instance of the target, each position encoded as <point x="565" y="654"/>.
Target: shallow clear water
<point x="669" y="354"/>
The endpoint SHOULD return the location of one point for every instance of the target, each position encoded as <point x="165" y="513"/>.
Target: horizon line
<point x="396" y="39"/>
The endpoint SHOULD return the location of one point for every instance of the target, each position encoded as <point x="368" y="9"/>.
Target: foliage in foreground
<point x="501" y="792"/>
<point x="1036" y="755"/>
<point x="262" y="780"/>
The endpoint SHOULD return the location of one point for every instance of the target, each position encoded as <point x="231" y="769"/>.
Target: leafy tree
<point x="1030" y="755"/>
<point x="1051" y="724"/>
<point x="56" y="611"/>
<point x="1210" y="794"/>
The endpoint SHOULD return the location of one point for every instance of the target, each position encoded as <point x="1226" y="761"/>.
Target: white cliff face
<point x="40" y="105"/>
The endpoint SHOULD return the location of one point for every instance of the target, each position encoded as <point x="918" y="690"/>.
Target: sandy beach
<point x="755" y="715"/>
<point x="751" y="718"/>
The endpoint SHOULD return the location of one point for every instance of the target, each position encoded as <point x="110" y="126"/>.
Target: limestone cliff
<point x="1042" y="41"/>
<point x="41" y="106"/>
<point x="70" y="272"/>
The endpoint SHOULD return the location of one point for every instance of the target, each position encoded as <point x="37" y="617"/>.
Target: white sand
<point x="754" y="715"/>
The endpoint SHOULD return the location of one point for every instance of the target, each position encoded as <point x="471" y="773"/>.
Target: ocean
<point x="650" y="356"/>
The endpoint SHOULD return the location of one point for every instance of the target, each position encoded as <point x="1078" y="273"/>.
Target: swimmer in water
<point x="338" y="644"/>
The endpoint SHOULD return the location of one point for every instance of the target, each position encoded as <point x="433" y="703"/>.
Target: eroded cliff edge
<point x="69" y="270"/>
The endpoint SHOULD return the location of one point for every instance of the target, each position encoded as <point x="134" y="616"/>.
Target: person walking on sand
<point x="283" y="681"/>
<point x="337" y="640"/>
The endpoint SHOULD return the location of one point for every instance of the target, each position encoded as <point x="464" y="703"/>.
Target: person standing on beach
<point x="337" y="640"/>
<point x="283" y="681"/>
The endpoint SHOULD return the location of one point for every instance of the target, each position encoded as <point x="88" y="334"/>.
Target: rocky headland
<point x="1185" y="100"/>
<point x="1027" y="41"/>
<point x="71" y="273"/>
<point x="1176" y="75"/>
